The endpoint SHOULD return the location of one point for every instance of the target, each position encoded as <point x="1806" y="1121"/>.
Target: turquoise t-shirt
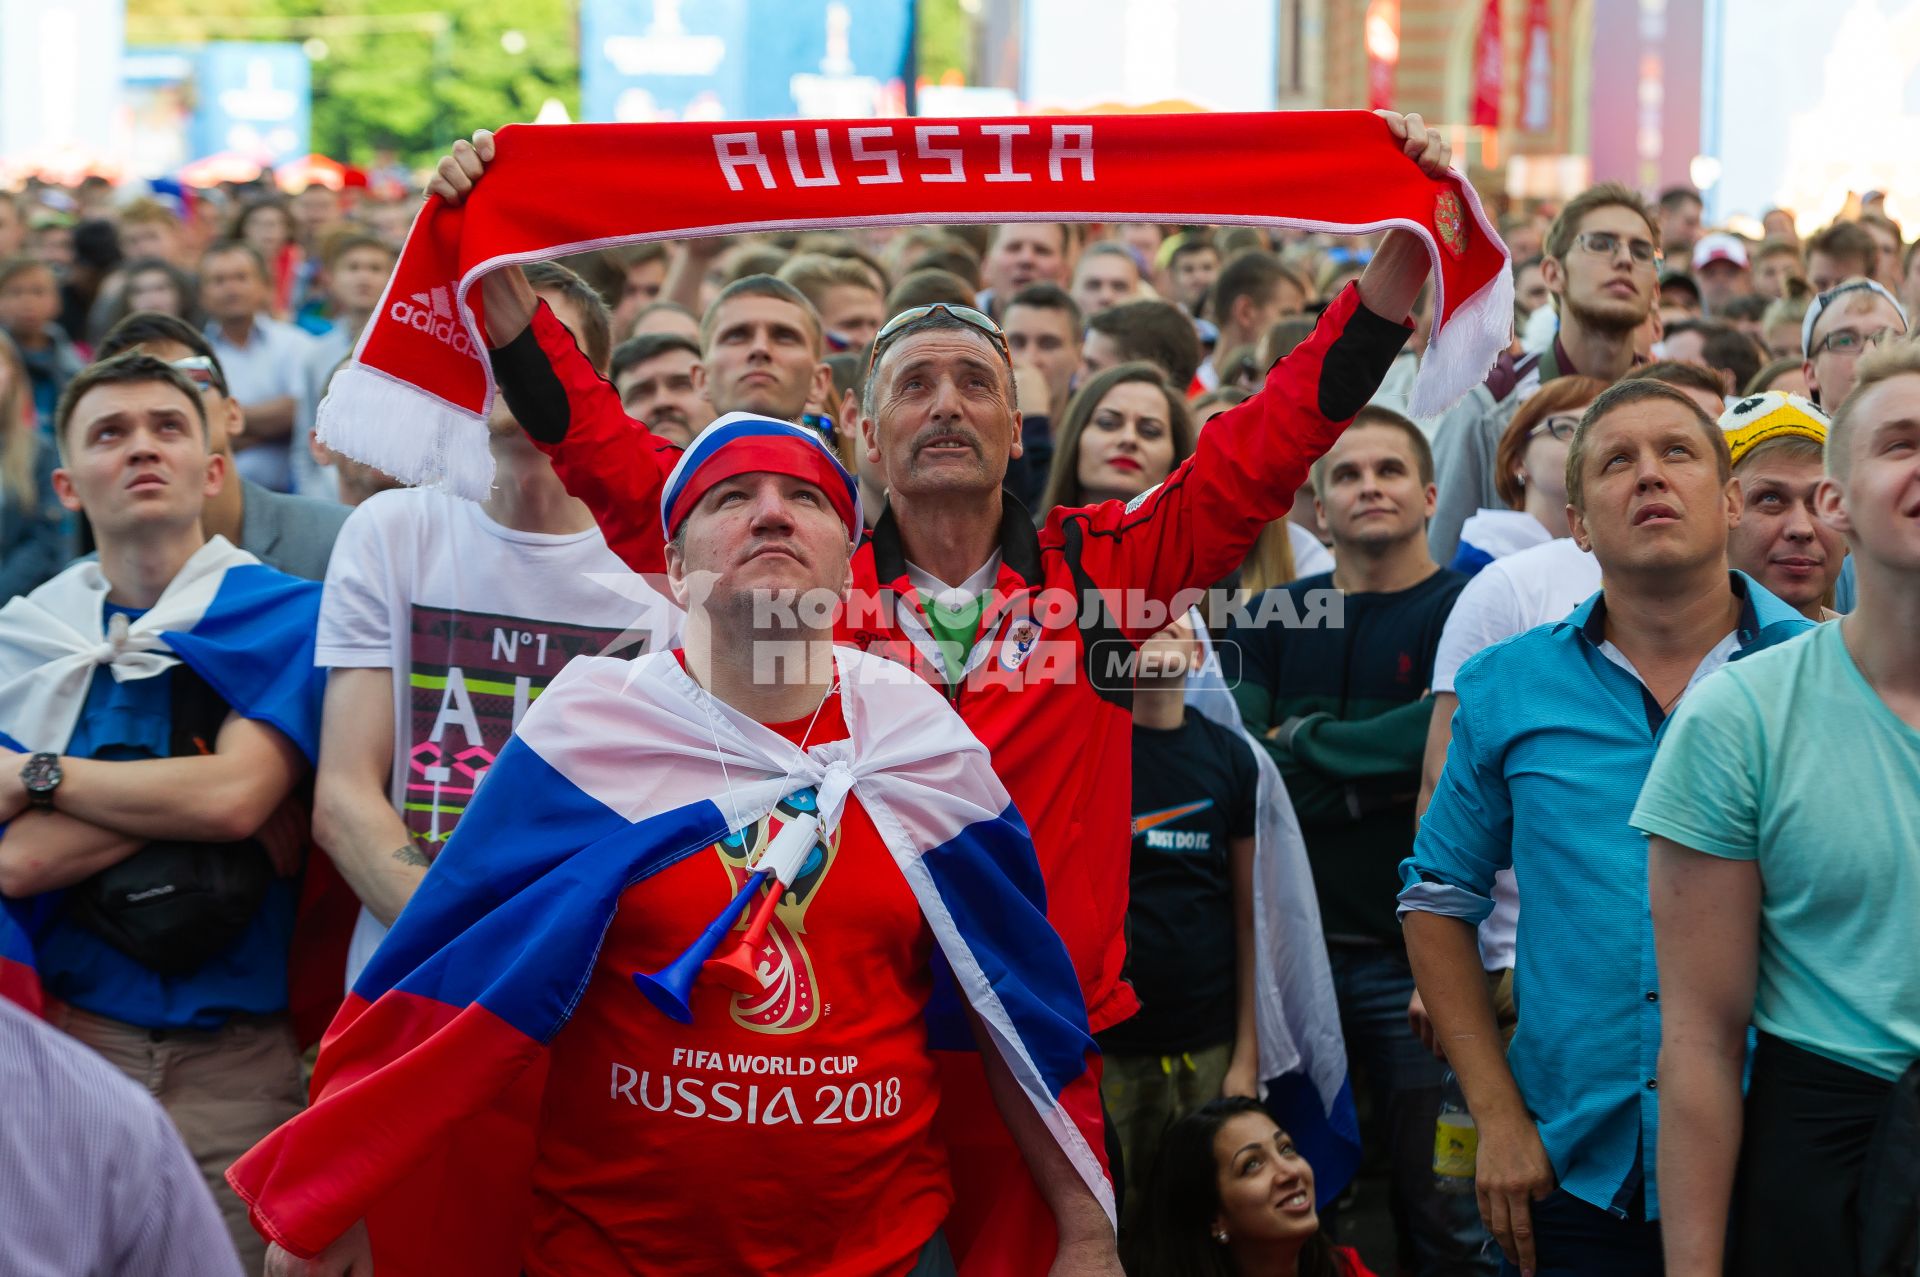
<point x="1790" y="758"/>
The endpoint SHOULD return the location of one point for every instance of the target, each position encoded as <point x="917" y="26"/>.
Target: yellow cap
<point x="1771" y="414"/>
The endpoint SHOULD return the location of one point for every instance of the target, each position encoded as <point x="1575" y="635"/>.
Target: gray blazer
<point x="294" y="534"/>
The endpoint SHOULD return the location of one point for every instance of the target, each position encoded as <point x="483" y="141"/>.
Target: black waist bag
<point x="172" y="906"/>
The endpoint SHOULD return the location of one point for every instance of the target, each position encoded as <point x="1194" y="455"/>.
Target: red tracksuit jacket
<point x="1038" y="687"/>
<point x="1061" y="740"/>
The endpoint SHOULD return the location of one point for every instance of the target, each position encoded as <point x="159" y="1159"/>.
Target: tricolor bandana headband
<point x="742" y="443"/>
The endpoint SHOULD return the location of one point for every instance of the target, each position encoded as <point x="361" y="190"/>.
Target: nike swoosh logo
<point x="1143" y="823"/>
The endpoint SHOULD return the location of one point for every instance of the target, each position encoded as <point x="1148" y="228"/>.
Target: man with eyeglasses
<point x="1602" y="267"/>
<point x="293" y="534"/>
<point x="1842" y="324"/>
<point x="942" y="423"/>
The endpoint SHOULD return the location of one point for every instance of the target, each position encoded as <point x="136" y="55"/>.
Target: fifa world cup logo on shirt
<point x="790" y="999"/>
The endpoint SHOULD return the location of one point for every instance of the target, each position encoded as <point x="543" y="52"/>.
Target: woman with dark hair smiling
<point x="1230" y="1196"/>
<point x="1123" y="432"/>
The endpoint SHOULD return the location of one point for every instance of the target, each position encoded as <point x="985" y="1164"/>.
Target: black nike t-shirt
<point x="1195" y="787"/>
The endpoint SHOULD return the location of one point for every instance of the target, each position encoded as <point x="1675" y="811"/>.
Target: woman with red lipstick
<point x="1124" y="431"/>
<point x="1231" y="1196"/>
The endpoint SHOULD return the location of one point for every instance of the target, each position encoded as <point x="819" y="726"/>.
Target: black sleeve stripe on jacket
<point x="532" y="389"/>
<point x="1357" y="361"/>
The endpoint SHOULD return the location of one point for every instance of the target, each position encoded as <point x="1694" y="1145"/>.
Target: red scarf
<point x="415" y="400"/>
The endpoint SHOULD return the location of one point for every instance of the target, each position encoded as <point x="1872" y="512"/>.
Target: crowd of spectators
<point x="1699" y="451"/>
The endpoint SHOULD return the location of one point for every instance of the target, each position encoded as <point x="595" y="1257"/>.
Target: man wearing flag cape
<point x="159" y="713"/>
<point x="941" y="423"/>
<point x="667" y="1000"/>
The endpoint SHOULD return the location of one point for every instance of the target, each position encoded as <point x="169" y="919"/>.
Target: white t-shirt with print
<point x="1510" y="596"/>
<point x="474" y="619"/>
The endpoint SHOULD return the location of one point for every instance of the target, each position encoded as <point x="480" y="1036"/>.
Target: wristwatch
<point x="41" y="775"/>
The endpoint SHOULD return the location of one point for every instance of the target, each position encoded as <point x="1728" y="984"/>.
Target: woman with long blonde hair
<point x="34" y="542"/>
<point x="1284" y="551"/>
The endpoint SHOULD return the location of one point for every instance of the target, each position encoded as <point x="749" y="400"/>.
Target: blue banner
<point x="742" y="59"/>
<point x="256" y="99"/>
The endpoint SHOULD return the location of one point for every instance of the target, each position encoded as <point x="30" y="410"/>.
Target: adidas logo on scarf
<point x="432" y="313"/>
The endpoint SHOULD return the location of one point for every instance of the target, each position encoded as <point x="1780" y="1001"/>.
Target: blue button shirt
<point x="1551" y="743"/>
<point x="130" y="720"/>
<point x="270" y="364"/>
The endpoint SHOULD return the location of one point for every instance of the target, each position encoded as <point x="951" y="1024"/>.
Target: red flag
<point x="1536" y="103"/>
<point x="1489" y="68"/>
<point x="1383" y="52"/>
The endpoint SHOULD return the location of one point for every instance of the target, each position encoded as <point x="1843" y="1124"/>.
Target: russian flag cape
<point x="1303" y="1055"/>
<point x="246" y="628"/>
<point x="427" y="1084"/>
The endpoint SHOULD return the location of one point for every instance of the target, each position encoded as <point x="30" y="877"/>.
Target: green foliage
<point x="411" y="75"/>
<point x="946" y="39"/>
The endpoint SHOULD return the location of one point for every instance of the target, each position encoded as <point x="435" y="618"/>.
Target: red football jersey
<point x="784" y="1132"/>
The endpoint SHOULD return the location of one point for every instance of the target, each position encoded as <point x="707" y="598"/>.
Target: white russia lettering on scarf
<point x="414" y="401"/>
<point x="1071" y="144"/>
<point x="643" y="739"/>
<point x="52" y="641"/>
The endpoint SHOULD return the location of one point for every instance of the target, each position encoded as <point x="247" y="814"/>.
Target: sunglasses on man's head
<point x="202" y="372"/>
<point x="965" y="314"/>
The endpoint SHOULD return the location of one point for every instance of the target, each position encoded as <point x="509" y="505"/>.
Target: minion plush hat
<point x="1754" y="419"/>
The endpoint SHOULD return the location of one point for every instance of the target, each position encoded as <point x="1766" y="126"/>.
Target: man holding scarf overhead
<point x="765" y="1103"/>
<point x="942" y="426"/>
